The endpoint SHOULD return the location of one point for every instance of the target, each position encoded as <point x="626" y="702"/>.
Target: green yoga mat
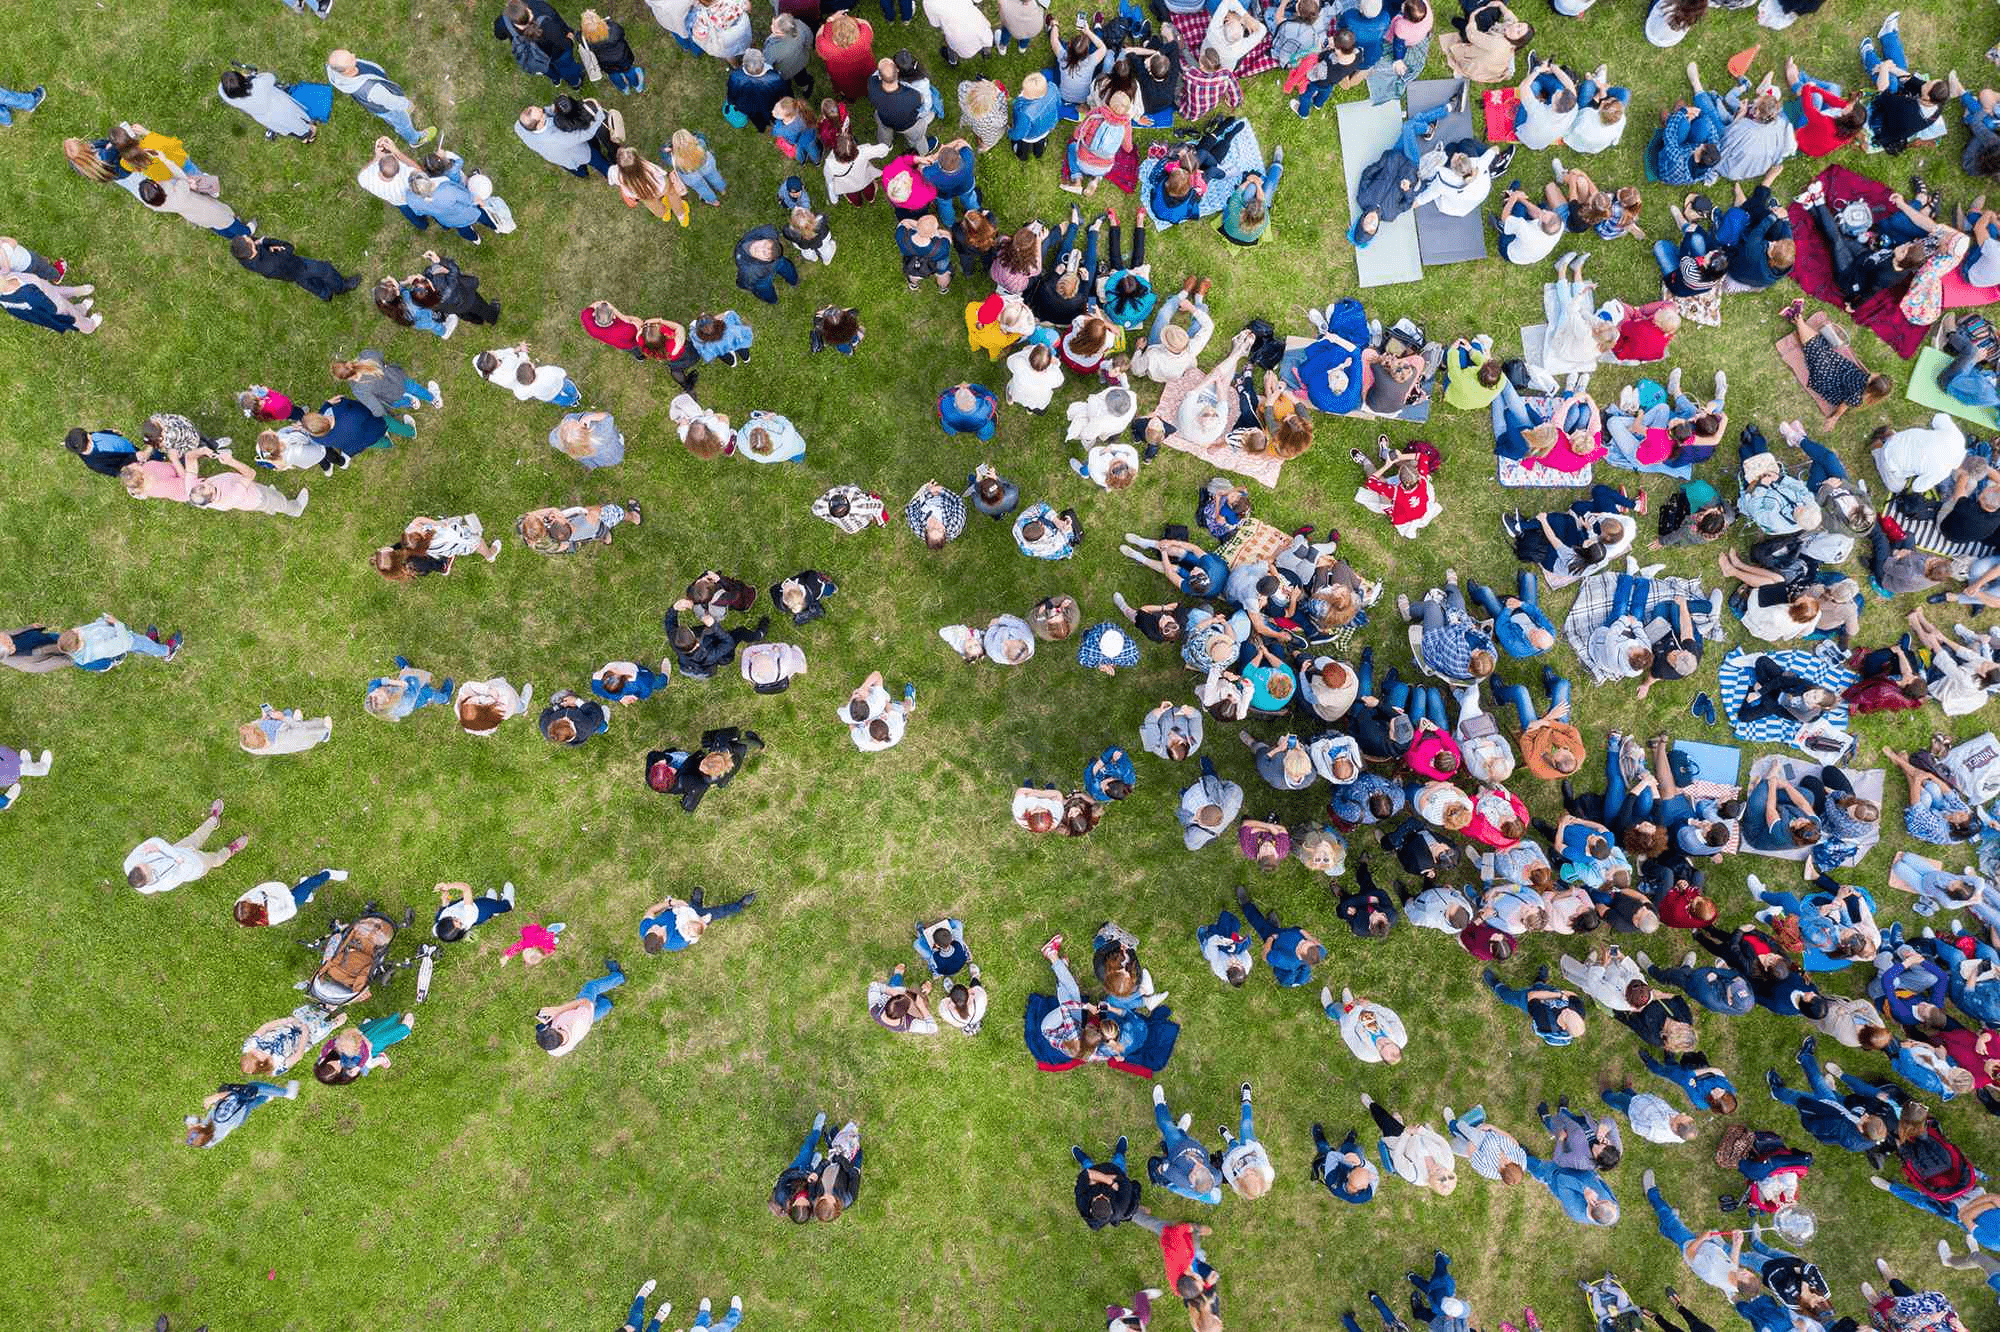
<point x="1924" y="391"/>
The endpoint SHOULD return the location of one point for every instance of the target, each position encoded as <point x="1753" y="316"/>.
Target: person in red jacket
<point x="1888" y="683"/>
<point x="1647" y="331"/>
<point x="1189" y="1274"/>
<point x="847" y="45"/>
<point x="1831" y="120"/>
<point x="1499" y="818"/>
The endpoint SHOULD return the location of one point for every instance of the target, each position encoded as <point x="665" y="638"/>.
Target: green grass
<point x="478" y="1183"/>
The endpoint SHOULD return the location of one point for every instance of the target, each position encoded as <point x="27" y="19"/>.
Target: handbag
<point x="588" y="59"/>
<point x="735" y="117"/>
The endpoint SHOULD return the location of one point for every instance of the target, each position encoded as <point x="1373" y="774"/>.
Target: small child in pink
<point x="536" y="944"/>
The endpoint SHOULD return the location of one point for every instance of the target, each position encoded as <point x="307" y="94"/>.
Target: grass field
<point x="478" y="1183"/>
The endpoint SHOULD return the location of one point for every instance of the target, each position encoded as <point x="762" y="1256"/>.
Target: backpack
<point x="531" y="58"/>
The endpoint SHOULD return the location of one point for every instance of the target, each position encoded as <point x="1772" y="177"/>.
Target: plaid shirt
<point x="1090" y="652"/>
<point x="942" y="504"/>
<point x="1350" y="802"/>
<point x="1202" y="91"/>
<point x="1927" y="822"/>
<point x="1448" y="648"/>
<point x="1486" y="1148"/>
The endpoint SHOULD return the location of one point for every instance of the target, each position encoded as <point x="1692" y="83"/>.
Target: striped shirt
<point x="1486" y="1148"/>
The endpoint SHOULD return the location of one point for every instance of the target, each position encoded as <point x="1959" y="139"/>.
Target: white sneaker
<point x="292" y="1090"/>
<point x="450" y="325"/>
<point x="507" y="889"/>
<point x="437" y="394"/>
<point x="647" y="1289"/>
<point x="736" y="1304"/>
<point x="703" y="1306"/>
<point x="1186" y="1121"/>
<point x="1159" y="1094"/>
<point x="1721" y="386"/>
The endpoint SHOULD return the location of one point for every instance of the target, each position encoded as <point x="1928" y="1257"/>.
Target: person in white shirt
<point x="1919" y="458"/>
<point x="1462" y="184"/>
<point x="1246" y="1166"/>
<point x="282" y="731"/>
<point x="512" y="369"/>
<point x="964" y="1006"/>
<point x="1374" y="1032"/>
<point x="875" y="723"/>
<point x="1600" y="115"/>
<point x="1035" y="375"/>
<point x="1170" y="350"/>
<point x="1439" y="907"/>
<point x="1528" y="231"/>
<point x="1112" y="466"/>
<point x="1611" y="978"/>
<point x="1547" y="107"/>
<point x="706" y="434"/>
<point x="159" y="866"/>
<point x="482" y="705"/>
<point x="769" y="667"/>
<point x="273" y="903"/>
<point x="1417" y="1153"/>
<point x="1653" y="1117"/>
<point x="966" y="30"/>
<point x="1232" y="33"/>
<point x="1336" y="757"/>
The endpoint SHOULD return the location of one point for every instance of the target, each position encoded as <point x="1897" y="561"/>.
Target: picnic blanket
<point x="1262" y="468"/>
<point x="1193" y="30"/>
<point x="1366" y="132"/>
<point x="1514" y="476"/>
<point x="1705" y="309"/>
<point x="1147" y="1061"/>
<point x="1535" y="342"/>
<point x="1124" y="171"/>
<point x="1733" y="679"/>
<point x="1243" y="156"/>
<point x="1255" y="542"/>
<point x="1443" y="239"/>
<point x="1793" y="353"/>
<point x="1880" y="314"/>
<point x="1925" y="391"/>
<point x="1930" y="538"/>
<point x="1593" y="603"/>
<point x="1867" y="784"/>
<point x="1714" y="770"/>
<point x="1496" y="107"/>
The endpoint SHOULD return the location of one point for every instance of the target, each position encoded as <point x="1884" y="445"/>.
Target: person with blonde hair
<point x="641" y="184"/>
<point x="983" y="109"/>
<point x="282" y="731"/>
<point x="606" y="40"/>
<point x="1418" y="1155"/>
<point x="695" y="166"/>
<point x="591" y="438"/>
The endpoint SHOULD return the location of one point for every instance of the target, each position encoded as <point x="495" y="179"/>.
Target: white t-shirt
<point x="1029" y="387"/>
<point x="877" y="703"/>
<point x="892" y="717"/>
<point x="170" y="865"/>
<point x="1923" y="456"/>
<point x="394" y="191"/>
<point x="1657" y="31"/>
<point x="766" y="663"/>
<point x="1542" y="126"/>
<point x="1588" y="133"/>
<point x="275" y="898"/>
<point x="1247" y="1158"/>
<point x="1527" y="243"/>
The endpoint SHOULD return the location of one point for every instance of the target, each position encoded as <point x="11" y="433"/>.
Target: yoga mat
<point x="1720" y="764"/>
<point x="1793" y="353"/>
<point x="1442" y="239"/>
<point x="1366" y="132"/>
<point x="1925" y="392"/>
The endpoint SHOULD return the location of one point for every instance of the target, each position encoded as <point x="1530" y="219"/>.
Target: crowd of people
<point x="1416" y="762"/>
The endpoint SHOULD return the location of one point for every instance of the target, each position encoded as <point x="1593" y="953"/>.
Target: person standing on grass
<point x="560" y="1028"/>
<point x="192" y="198"/>
<point x="159" y="866"/>
<point x="635" y="1317"/>
<point x="273" y="903"/>
<point x="1105" y="1194"/>
<point x="541" y="41"/>
<point x="382" y="386"/>
<point x="672" y="924"/>
<point x="372" y="89"/>
<point x="14" y="765"/>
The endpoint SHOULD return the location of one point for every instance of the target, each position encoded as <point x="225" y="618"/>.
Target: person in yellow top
<point x="995" y="324"/>
<point x="148" y="153"/>
<point x="1472" y="376"/>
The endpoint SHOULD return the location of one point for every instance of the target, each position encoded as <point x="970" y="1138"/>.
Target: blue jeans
<point x="569" y="395"/>
<point x="237" y="228"/>
<point x="594" y="991"/>
<point x="1693" y="243"/>
<point x="1116" y="1160"/>
<point x="1629" y="596"/>
<point x="1523" y="701"/>
<point x="1975" y="114"/>
<point x="1512" y="996"/>
<point x="628" y="80"/>
<point x="949" y="204"/>
<point x="303" y="890"/>
<point x="398" y="121"/>
<point x="413" y="393"/>
<point x="1440" y="1287"/>
<point x="807" y="1150"/>
<point x="638" y="1312"/>
<point x="1410" y="142"/>
<point x="706" y="181"/>
<point x="1620" y="1100"/>
<point x="146" y="647"/>
<point x="899" y="11"/>
<point x="1826" y="464"/>
<point x="1882" y="46"/>
<point x="1671" y="1225"/>
<point x="1387" y="1315"/>
<point x="1315" y="96"/>
<point x="1364" y="672"/>
<point x="729" y="1320"/>
<point x="1804" y="80"/>
<point x="11" y="101"/>
<point x="416" y="219"/>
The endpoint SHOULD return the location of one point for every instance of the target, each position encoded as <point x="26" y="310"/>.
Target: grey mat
<point x="1442" y="239"/>
<point x="1366" y="132"/>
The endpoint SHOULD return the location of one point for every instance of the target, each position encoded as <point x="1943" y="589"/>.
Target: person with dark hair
<point x="158" y="866"/>
<point x="1290" y="951"/>
<point x="1105" y="1194"/>
<point x="560" y="1028"/>
<point x="105" y="452"/>
<point x="722" y="754"/>
<point x="1556" y="1016"/>
<point x="279" y="260"/>
<point x="1110" y="776"/>
<point x="792" y="1196"/>
<point x="1905" y="104"/>
<point x="224" y="1110"/>
<point x="291" y="110"/>
<point x="541" y="41"/>
<point x="458" y="918"/>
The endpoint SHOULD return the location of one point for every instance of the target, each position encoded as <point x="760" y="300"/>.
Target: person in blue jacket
<point x="1110" y="776"/>
<point x="1858" y="1121"/>
<point x="968" y="409"/>
<point x="1344" y="1170"/>
<point x="760" y="257"/>
<point x="1183" y="1165"/>
<point x="1582" y="1194"/>
<point x="1036" y="112"/>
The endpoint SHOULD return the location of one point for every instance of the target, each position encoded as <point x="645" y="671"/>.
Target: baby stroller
<point x="353" y="956"/>
<point x="1610" y="1307"/>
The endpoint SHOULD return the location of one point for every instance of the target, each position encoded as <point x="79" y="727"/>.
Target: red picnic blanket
<point x="1880" y="314"/>
<point x="1193" y="28"/>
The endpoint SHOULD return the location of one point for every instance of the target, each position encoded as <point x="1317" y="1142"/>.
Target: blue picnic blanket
<point x="1733" y="680"/>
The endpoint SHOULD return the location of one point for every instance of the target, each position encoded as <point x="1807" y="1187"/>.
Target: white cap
<point x="1112" y="643"/>
<point x="1451" y="1307"/>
